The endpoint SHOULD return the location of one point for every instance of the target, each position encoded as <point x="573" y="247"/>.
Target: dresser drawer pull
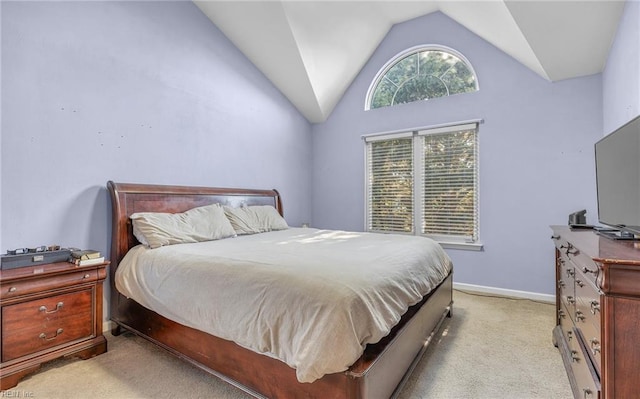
<point x="574" y="356"/>
<point x="595" y="346"/>
<point x="44" y="336"/>
<point x="595" y="306"/>
<point x="59" y="306"/>
<point x="555" y="237"/>
<point x="580" y="283"/>
<point x="13" y="289"/>
<point x="86" y="276"/>
<point x="580" y="316"/>
<point x="569" y="249"/>
<point x="571" y="299"/>
<point x="586" y="393"/>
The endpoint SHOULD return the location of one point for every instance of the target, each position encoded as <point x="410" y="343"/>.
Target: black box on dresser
<point x="33" y="258"/>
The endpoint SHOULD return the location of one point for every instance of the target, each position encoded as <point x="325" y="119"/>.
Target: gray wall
<point x="148" y="92"/>
<point x="621" y="76"/>
<point x="536" y="155"/>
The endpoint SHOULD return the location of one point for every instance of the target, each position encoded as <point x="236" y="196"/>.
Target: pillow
<point x="255" y="219"/>
<point x="205" y="223"/>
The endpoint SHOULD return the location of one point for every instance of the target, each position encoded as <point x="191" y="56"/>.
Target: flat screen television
<point x="618" y="180"/>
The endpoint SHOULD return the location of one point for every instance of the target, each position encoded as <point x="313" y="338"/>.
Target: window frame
<point x="417" y="160"/>
<point x="406" y="53"/>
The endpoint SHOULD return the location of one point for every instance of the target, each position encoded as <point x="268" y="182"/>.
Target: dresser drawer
<point x="584" y="264"/>
<point x="587" y="381"/>
<point x="587" y="318"/>
<point x="41" y="324"/>
<point x="565" y="275"/>
<point x="567" y="287"/>
<point x="43" y="283"/>
<point x="566" y="324"/>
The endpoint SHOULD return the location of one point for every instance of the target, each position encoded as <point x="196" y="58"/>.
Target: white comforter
<point x="311" y="298"/>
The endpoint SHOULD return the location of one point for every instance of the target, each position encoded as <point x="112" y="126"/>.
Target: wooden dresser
<point x="598" y="313"/>
<point x="49" y="311"/>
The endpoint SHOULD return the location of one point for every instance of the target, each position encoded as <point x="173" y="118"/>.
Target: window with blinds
<point x="424" y="182"/>
<point x="390" y="184"/>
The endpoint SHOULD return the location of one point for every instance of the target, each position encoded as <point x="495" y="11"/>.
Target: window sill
<point x="465" y="246"/>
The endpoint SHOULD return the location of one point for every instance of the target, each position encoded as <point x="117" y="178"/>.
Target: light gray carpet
<point x="491" y="348"/>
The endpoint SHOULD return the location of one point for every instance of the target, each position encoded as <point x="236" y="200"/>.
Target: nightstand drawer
<point x="36" y="325"/>
<point x="30" y="286"/>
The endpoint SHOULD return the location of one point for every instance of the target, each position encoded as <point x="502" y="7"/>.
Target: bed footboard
<point x="379" y="373"/>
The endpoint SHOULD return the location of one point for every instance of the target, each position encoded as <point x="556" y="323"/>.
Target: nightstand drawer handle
<point x="44" y="336"/>
<point x="86" y="275"/>
<point x="13" y="289"/>
<point x="58" y="307"/>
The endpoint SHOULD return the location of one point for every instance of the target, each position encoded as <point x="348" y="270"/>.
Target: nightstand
<point x="49" y="311"/>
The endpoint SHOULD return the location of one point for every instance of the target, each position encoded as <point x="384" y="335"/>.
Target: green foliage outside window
<point x="443" y="182"/>
<point x="423" y="75"/>
<point x="449" y="184"/>
<point x="391" y="185"/>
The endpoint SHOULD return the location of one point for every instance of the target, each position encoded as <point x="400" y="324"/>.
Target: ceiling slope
<point x="312" y="50"/>
<point x="569" y="38"/>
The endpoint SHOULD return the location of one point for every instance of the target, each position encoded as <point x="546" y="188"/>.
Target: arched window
<point x="421" y="73"/>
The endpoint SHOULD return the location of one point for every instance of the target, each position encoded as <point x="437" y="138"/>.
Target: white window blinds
<point x="390" y="184"/>
<point x="426" y="178"/>
<point x="448" y="187"/>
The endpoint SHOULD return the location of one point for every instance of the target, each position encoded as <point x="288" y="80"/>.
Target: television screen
<point x="618" y="178"/>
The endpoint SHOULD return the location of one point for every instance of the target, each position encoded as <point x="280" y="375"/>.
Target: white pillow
<point x="205" y="223"/>
<point x="255" y="219"/>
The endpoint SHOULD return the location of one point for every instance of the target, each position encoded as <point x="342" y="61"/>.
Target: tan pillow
<point x="205" y="223"/>
<point x="255" y="219"/>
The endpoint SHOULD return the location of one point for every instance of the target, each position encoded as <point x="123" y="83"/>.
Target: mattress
<point x="310" y="298"/>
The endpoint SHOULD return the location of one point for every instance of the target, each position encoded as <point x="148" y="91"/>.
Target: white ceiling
<point x="313" y="49"/>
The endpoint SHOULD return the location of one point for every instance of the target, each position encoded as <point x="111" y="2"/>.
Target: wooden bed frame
<point x="379" y="373"/>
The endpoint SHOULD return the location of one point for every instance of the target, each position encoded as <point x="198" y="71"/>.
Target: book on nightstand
<point x="85" y="257"/>
<point x="88" y="262"/>
<point x="85" y="254"/>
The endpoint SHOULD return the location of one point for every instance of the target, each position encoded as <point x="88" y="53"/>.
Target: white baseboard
<point x="534" y="296"/>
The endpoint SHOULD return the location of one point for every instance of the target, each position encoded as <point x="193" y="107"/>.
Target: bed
<point x="379" y="372"/>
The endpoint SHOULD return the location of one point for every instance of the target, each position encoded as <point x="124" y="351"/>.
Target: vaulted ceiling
<point x="312" y="50"/>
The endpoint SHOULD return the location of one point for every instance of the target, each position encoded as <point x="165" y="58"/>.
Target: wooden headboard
<point x="127" y="199"/>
